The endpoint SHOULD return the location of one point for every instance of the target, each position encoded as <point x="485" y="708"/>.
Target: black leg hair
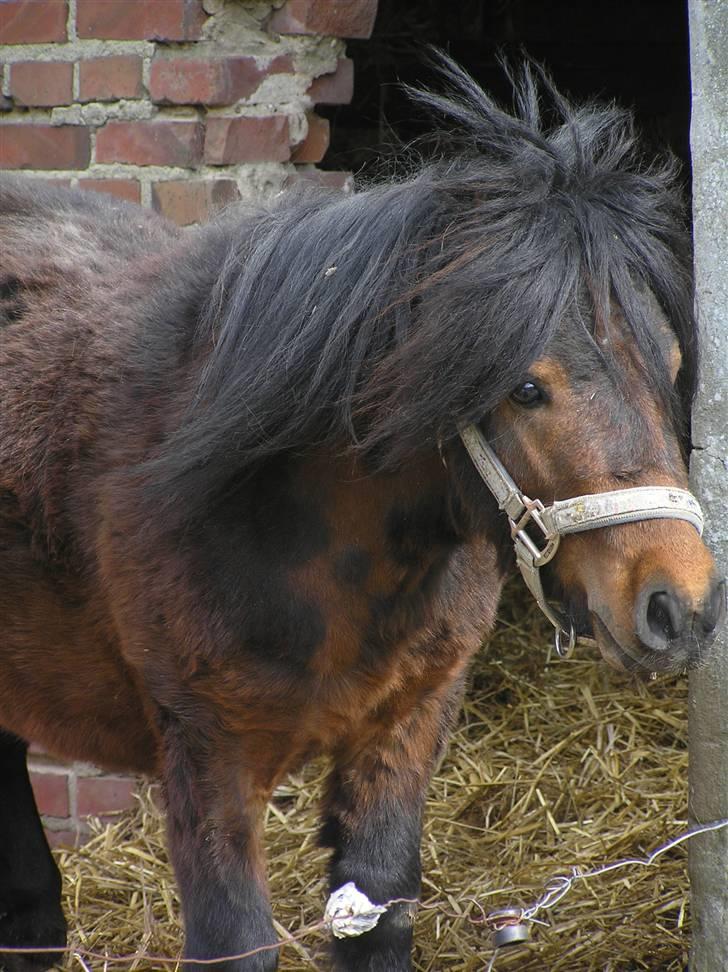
<point x="214" y="843"/>
<point x="30" y="882"/>
<point x="373" y="822"/>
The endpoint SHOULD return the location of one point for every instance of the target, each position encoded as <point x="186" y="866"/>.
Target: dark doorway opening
<point x="632" y="51"/>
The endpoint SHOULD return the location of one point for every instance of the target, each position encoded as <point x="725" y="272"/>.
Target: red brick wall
<point x="67" y="794"/>
<point x="180" y="105"/>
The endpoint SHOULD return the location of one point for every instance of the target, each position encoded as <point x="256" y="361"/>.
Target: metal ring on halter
<point x="564" y="650"/>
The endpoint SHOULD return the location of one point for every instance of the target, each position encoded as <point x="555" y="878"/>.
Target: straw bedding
<point x="555" y="763"/>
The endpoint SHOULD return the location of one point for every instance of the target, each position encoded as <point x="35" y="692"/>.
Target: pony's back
<point x="66" y="260"/>
<point x="72" y="225"/>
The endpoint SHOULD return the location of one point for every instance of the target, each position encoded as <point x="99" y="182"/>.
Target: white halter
<point x="569" y="516"/>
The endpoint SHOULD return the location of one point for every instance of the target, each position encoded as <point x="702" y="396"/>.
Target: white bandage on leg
<point x="350" y="913"/>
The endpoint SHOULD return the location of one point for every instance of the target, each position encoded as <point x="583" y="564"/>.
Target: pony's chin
<point x="610" y="649"/>
<point x="636" y="659"/>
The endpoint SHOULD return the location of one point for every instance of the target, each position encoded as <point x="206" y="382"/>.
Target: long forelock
<point x="386" y="320"/>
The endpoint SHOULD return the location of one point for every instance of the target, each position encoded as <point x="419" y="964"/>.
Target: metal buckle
<point x="532" y="512"/>
<point x="530" y="557"/>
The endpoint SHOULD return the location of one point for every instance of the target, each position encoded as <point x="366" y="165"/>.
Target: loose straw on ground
<point x="554" y="764"/>
<point x="556" y="889"/>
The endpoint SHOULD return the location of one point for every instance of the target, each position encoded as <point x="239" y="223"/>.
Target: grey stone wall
<point x="708" y="704"/>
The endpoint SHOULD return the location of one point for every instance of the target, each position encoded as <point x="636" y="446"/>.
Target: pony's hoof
<point x="41" y="927"/>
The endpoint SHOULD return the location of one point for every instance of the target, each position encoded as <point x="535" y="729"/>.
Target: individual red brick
<point x="165" y="142"/>
<point x="184" y="81"/>
<point x="63" y="838"/>
<point x="313" y="147"/>
<point x="165" y="20"/>
<point x="51" y="793"/>
<point x="230" y="140"/>
<point x="336" y="18"/>
<point x="42" y="84"/>
<point x="110" y="78"/>
<point x="44" y="147"/>
<point x="100" y="795"/>
<point x="188" y="82"/>
<point x="336" y="88"/>
<point x="32" y="21"/>
<point x="128" y="189"/>
<point x="186" y="202"/>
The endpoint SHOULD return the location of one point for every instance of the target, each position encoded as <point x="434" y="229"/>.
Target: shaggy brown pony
<point x="238" y="527"/>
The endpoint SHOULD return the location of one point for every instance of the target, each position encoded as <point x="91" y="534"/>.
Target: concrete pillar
<point x="708" y="705"/>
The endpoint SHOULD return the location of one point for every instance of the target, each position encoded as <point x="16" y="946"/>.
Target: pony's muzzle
<point x="666" y="620"/>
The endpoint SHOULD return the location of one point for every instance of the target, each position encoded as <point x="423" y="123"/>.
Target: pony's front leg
<point x="214" y="818"/>
<point x="30" y="884"/>
<point x="373" y="822"/>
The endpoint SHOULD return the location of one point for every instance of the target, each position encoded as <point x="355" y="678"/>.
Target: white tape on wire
<point x="350" y="913"/>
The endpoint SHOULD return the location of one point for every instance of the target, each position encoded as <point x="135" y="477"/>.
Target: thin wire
<point x="555" y="889"/>
<point x="162" y="959"/>
<point x="560" y="885"/>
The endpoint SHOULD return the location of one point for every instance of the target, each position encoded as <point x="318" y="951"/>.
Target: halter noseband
<point x="568" y="516"/>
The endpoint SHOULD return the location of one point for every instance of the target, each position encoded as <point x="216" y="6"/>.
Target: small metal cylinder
<point x="511" y="935"/>
<point x="508" y="927"/>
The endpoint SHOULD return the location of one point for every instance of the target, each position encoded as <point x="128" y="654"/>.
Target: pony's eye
<point x="528" y="395"/>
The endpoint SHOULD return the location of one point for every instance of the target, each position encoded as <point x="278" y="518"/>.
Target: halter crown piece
<point x="562" y="517"/>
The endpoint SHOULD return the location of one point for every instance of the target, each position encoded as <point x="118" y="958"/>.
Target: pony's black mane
<point x="385" y="320"/>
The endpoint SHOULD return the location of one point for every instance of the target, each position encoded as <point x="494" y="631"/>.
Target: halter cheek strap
<point x="562" y="517"/>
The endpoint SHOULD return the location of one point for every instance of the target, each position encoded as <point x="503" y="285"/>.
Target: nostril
<point x="664" y="617"/>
